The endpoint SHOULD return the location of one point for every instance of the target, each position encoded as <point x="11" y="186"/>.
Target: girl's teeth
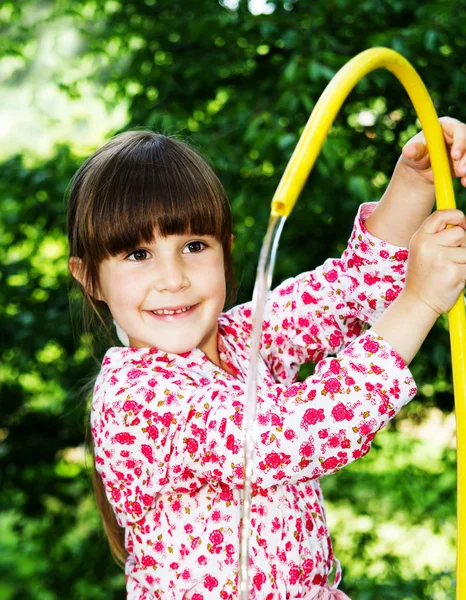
<point x="170" y="312"/>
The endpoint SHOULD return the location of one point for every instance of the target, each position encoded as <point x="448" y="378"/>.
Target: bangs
<point x="148" y="184"/>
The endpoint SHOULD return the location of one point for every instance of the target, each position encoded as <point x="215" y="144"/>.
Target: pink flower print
<point x="332" y="386"/>
<point x="210" y="582"/>
<point x="312" y="394"/>
<point x="130" y="405"/>
<point x="272" y="460"/>
<point x="309" y="523"/>
<point x="149" y="395"/>
<point x="238" y="471"/>
<point x="202" y="560"/>
<point x="152" y="432"/>
<point x="341" y="413"/>
<point x="307" y="298"/>
<point x="134" y="374"/>
<point x="292" y="391"/>
<point x="323" y="433"/>
<point x="290" y="434"/>
<point x="174" y="566"/>
<point x="276" y="420"/>
<point x="371" y="279"/>
<point x="308" y="565"/>
<point x="331" y="276"/>
<point x="279" y="340"/>
<point x="401" y="255"/>
<point x="232" y="445"/>
<point x="159" y="546"/>
<point x="306" y="449"/>
<point x="136" y="508"/>
<point x="336" y="339"/>
<point x="166" y="419"/>
<point x="371" y="346"/>
<point x="391" y="295"/>
<point x="116" y="495"/>
<point x="311" y="417"/>
<point x="335" y="367"/>
<point x="334" y="441"/>
<point x="216" y="537"/>
<point x="364" y="247"/>
<point x="192" y="445"/>
<point x="238" y="418"/>
<point x="303" y="322"/>
<point x="259" y="580"/>
<point x="294" y="575"/>
<point x="147" y="452"/>
<point x="330" y="463"/>
<point x="147" y="499"/>
<point x="124" y="438"/>
<point x="384" y="254"/>
<point x="148" y="561"/>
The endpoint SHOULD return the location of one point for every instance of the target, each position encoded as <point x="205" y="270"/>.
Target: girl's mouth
<point x="172" y="315"/>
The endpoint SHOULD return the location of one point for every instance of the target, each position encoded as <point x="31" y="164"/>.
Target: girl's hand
<point x="436" y="271"/>
<point x="415" y="154"/>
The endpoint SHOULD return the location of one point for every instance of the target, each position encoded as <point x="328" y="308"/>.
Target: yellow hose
<point x="295" y="176"/>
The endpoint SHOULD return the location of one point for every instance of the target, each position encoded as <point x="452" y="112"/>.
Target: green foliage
<point x="240" y="87"/>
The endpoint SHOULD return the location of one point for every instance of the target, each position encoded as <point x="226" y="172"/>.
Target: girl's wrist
<point x="405" y="324"/>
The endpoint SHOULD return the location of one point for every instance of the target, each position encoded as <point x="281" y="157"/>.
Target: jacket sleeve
<point x="318" y="312"/>
<point x="184" y="438"/>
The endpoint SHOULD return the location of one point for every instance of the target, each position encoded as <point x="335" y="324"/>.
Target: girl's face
<point x="168" y="294"/>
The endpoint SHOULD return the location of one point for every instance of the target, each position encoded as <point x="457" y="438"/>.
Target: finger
<point x="456" y="255"/>
<point x="440" y="219"/>
<point x="414" y="150"/>
<point x="448" y="125"/>
<point x="454" y="132"/>
<point x="452" y="236"/>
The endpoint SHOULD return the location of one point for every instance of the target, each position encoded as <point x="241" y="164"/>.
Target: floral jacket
<point x="167" y="432"/>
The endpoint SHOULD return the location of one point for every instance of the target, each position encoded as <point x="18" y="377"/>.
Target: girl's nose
<point x="170" y="277"/>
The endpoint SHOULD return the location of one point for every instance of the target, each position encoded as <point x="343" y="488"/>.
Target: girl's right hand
<point x="436" y="272"/>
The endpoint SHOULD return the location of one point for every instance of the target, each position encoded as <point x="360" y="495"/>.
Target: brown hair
<point x="138" y="183"/>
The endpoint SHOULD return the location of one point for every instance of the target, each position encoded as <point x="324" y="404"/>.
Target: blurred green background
<point x="238" y="81"/>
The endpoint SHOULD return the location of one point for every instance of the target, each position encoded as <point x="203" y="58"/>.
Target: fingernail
<point x="457" y="154"/>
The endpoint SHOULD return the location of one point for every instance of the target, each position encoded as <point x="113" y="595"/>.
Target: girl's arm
<point x="185" y="437"/>
<point x="318" y="312"/>
<point x="410" y="196"/>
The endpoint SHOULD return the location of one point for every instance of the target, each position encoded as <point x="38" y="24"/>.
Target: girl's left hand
<point x="415" y="154"/>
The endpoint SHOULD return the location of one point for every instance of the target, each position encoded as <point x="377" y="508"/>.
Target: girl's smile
<point x="172" y="313"/>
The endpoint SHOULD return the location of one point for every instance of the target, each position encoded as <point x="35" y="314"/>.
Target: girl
<point x="150" y="244"/>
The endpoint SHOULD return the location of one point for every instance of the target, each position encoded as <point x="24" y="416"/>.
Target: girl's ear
<point x="76" y="267"/>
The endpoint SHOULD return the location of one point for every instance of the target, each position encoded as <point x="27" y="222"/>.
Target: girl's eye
<point x="194" y="247"/>
<point x="139" y="255"/>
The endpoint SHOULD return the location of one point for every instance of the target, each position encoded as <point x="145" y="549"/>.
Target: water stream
<point x="261" y="290"/>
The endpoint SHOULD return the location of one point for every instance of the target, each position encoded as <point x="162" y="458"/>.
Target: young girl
<point x="150" y="244"/>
